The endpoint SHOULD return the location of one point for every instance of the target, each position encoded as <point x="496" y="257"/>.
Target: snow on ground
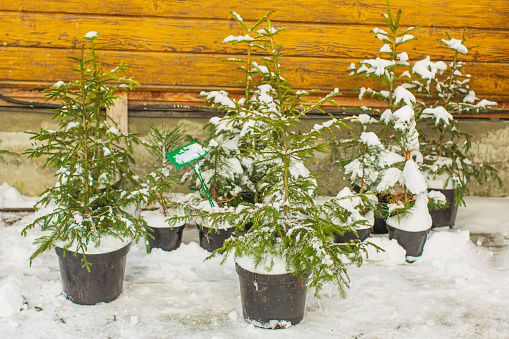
<point x="458" y="288"/>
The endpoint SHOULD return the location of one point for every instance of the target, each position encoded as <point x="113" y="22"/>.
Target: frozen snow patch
<point x="392" y="251"/>
<point x="11" y="299"/>
<point x="233" y="315"/>
<point x="10" y="197"/>
<point x="446" y="244"/>
<point x="272" y="324"/>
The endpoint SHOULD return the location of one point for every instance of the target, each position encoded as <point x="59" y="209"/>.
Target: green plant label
<point x="187" y="154"/>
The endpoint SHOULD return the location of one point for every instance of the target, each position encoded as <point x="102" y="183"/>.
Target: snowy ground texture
<point x="457" y="289"/>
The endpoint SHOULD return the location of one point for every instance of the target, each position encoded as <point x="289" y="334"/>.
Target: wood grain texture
<point x="40" y="30"/>
<point x="187" y="71"/>
<point x="439" y="13"/>
<point x="175" y="45"/>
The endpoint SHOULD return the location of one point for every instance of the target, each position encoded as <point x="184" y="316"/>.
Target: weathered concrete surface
<point x="490" y="145"/>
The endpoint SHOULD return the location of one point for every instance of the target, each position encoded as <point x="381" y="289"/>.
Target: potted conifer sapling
<point x="362" y="158"/>
<point x="231" y="175"/>
<point x="405" y="186"/>
<point x="389" y="69"/>
<point x="222" y="173"/>
<point x="447" y="166"/>
<point x="90" y="228"/>
<point x="290" y="246"/>
<point x="159" y="184"/>
<point x="401" y="185"/>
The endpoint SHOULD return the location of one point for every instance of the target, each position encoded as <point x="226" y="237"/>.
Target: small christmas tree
<point x="161" y="179"/>
<point x="95" y="184"/>
<point x="447" y="92"/>
<point x="222" y="168"/>
<point x="399" y="179"/>
<point x="362" y="156"/>
<point x="287" y="222"/>
<point x="230" y="182"/>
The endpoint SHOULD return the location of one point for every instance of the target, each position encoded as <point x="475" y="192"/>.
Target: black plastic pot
<point x="272" y="301"/>
<point x="412" y="242"/>
<point x="103" y="283"/>
<point x="380" y="227"/>
<point x="446" y="216"/>
<point x="211" y="240"/>
<point x="165" y="238"/>
<point x="360" y="234"/>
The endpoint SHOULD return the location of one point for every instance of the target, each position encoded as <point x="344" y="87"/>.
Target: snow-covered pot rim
<point x="437" y="181"/>
<point x="155" y="219"/>
<point x="369" y="217"/>
<point x="247" y="263"/>
<point x="406" y="230"/>
<point x="217" y="226"/>
<point x="416" y="219"/>
<point x="109" y="244"/>
<point x="265" y="278"/>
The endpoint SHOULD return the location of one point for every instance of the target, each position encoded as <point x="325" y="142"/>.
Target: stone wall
<point x="490" y="145"/>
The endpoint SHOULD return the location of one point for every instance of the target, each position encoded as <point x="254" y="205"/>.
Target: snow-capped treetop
<point x="428" y="69"/>
<point x="402" y="94"/>
<point x="91" y="35"/>
<point x="456" y="45"/>
<point x="438" y="113"/>
<point x="370" y="139"/>
<point x="239" y="38"/>
<point x="413" y="178"/>
<point x="378" y="66"/>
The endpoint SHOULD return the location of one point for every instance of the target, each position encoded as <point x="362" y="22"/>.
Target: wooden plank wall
<point x="174" y="47"/>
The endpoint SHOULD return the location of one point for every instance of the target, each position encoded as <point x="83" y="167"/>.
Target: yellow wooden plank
<point x="186" y="71"/>
<point x="205" y="36"/>
<point x="457" y="13"/>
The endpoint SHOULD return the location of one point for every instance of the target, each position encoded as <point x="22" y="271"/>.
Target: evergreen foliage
<point x="233" y="176"/>
<point x="223" y="169"/>
<point x="5" y="152"/>
<point x="446" y="90"/>
<point x="95" y="184"/>
<point x="160" y="180"/>
<point x="397" y="158"/>
<point x="362" y="156"/>
<point x="287" y="222"/>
